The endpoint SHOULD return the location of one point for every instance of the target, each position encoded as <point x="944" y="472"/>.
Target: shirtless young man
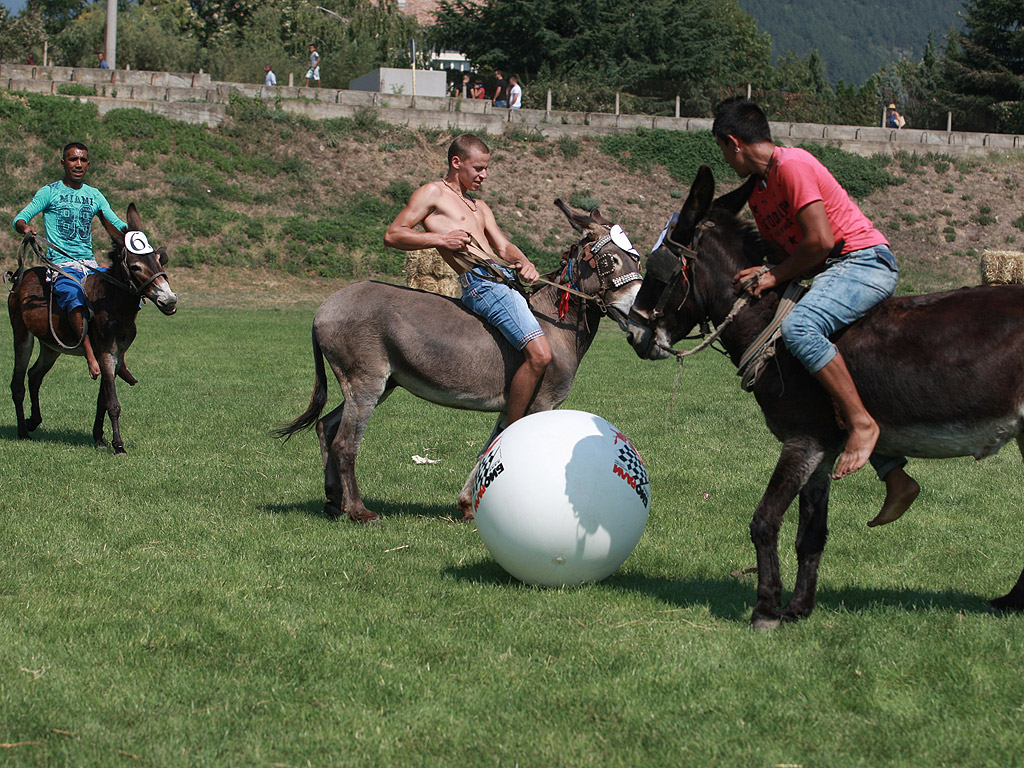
<point x="456" y="222"/>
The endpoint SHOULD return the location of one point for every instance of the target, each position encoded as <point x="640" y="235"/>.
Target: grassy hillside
<point x="855" y="38"/>
<point x="304" y="198"/>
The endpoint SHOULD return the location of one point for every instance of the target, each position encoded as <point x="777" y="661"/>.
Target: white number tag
<point x="136" y="242"/>
<point x="620" y="239"/>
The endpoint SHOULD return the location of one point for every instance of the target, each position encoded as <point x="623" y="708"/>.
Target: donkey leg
<point x="1014" y="599"/>
<point x="23" y="344"/>
<point x="790" y="474"/>
<point x="810" y="541"/>
<point x="108" y="404"/>
<point x="344" y="447"/>
<point x="326" y="431"/>
<point x="43" y="364"/>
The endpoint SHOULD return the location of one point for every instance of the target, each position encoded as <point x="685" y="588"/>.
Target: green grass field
<point x="189" y="605"/>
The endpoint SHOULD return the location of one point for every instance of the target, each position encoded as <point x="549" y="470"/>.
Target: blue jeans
<point x="501" y="104"/>
<point x="68" y="293"/>
<point x="840" y="295"/>
<point x="500" y="305"/>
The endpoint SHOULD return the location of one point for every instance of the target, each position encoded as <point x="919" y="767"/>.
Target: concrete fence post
<point x="616" y="103"/>
<point x="949" y="122"/>
<point x="547" y="112"/>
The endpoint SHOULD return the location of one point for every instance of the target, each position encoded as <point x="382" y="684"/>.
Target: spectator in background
<point x="477" y="92"/>
<point x="270" y="78"/>
<point x="314" y="66"/>
<point x="515" y="93"/>
<point x="895" y="119"/>
<point x="500" y="98"/>
<point x="464" y="89"/>
<point x="103" y="62"/>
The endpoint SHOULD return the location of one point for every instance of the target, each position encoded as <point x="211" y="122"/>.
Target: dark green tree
<point x="698" y="49"/>
<point x="57" y="14"/>
<point x="983" y="70"/>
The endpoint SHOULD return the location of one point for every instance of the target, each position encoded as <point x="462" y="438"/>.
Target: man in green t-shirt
<point x="68" y="207"/>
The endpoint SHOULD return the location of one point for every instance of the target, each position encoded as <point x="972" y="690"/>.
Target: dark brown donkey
<point x="941" y="374"/>
<point x="114" y="295"/>
<point x="377" y="337"/>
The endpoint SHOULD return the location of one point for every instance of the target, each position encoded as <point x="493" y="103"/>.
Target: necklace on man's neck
<point x="763" y="182"/>
<point x="463" y="198"/>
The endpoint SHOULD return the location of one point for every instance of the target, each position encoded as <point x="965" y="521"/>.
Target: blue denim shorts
<point x="501" y="306"/>
<point x="67" y="292"/>
<point x="847" y="288"/>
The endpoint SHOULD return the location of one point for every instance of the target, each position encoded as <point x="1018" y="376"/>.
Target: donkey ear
<point x="595" y="215"/>
<point x="696" y="207"/>
<point x="581" y="222"/>
<point x="734" y="201"/>
<point x="134" y="220"/>
<point x="116" y="235"/>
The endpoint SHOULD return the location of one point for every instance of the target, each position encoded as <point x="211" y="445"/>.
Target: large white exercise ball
<point x="561" y="498"/>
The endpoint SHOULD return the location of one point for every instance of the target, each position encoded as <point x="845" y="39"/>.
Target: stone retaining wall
<point x="197" y="99"/>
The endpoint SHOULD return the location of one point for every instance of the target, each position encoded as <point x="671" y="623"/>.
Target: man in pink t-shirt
<point x="807" y="216"/>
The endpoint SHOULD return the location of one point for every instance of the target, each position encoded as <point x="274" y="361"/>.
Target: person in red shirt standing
<point x="801" y="209"/>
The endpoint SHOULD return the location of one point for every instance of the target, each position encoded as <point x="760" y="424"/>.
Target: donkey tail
<point x="317" y="402"/>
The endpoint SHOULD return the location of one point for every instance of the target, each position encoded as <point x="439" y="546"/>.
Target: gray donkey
<point x="378" y="336"/>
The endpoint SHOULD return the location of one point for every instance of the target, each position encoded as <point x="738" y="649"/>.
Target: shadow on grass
<point x="43" y="435"/>
<point x="315" y="508"/>
<point x="732" y="599"/>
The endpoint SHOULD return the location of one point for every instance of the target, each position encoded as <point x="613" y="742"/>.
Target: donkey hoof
<point x="467" y="517"/>
<point x="120" y="451"/>
<point x="332" y="511"/>
<point x="364" y="517"/>
<point x="765" y="624"/>
<point x="1005" y="603"/>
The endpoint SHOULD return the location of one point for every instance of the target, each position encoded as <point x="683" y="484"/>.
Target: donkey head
<point x="668" y="304"/>
<point x="603" y="263"/>
<point x="139" y="264"/>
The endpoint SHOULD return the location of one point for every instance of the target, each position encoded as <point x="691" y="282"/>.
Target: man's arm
<point x="505" y="248"/>
<point x="38" y="204"/>
<point x="818" y="241"/>
<point x="402" y="233"/>
<point x="108" y="213"/>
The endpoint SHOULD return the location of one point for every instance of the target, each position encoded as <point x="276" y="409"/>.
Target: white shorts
<point x="314" y="73"/>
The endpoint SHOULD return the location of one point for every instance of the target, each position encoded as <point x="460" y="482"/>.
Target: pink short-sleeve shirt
<point x="796" y="179"/>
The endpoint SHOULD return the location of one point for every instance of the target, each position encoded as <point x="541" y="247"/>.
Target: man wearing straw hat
<point x="68" y="207"/>
<point x="455" y="224"/>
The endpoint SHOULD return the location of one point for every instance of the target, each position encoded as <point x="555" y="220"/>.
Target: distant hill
<point x="855" y="38"/>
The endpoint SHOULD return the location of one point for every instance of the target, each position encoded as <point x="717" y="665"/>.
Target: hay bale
<point x="427" y="271"/>
<point x="1002" y="267"/>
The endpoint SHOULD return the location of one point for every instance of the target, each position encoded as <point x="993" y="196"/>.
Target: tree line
<point x="645" y="54"/>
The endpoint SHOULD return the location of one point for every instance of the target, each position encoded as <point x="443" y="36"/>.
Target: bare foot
<point x="859" y="445"/>
<point x="900" y="491"/>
